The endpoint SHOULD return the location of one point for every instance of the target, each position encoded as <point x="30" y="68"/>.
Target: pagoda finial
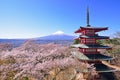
<point x="88" y="17"/>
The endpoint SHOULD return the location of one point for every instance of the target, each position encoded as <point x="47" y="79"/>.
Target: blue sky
<point x="34" y="18"/>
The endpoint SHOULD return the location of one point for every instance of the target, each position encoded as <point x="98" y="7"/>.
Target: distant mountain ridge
<point x="59" y="35"/>
<point x="56" y="37"/>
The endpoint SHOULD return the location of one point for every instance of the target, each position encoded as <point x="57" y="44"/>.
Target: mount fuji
<point x="59" y="35"/>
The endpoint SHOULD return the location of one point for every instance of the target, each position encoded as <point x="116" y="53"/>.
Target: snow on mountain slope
<point x="59" y="35"/>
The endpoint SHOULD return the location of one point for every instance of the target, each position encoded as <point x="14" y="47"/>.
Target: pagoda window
<point x="90" y="32"/>
<point x="90" y="50"/>
<point x="81" y="50"/>
<point x="83" y="41"/>
<point x="83" y="32"/>
<point x="90" y="41"/>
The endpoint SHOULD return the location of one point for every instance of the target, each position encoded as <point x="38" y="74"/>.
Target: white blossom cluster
<point x="36" y="60"/>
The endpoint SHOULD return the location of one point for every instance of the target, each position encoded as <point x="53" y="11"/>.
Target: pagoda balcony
<point x="88" y="41"/>
<point x="89" y="51"/>
<point x="94" y="37"/>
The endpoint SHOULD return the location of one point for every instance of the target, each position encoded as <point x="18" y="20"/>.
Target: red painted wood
<point x="95" y="29"/>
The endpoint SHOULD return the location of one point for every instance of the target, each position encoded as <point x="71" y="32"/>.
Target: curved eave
<point x="90" y="46"/>
<point x="96" y="29"/>
<point x="110" y="70"/>
<point x="95" y="37"/>
<point x="100" y="68"/>
<point x="78" y="31"/>
<point x="90" y="57"/>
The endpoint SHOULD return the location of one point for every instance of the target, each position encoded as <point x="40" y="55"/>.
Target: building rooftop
<point x="103" y="68"/>
<point x="90" y="46"/>
<point x="96" y="37"/>
<point x="96" y="29"/>
<point x="89" y="57"/>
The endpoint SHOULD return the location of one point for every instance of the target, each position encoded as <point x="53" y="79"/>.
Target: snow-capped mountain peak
<point x="58" y="33"/>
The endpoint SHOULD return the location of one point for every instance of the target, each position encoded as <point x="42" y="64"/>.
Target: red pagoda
<point x="89" y="48"/>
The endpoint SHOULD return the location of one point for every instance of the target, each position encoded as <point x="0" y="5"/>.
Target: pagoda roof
<point x="90" y="57"/>
<point x="90" y="46"/>
<point x="97" y="29"/>
<point x="96" y="37"/>
<point x="103" y="68"/>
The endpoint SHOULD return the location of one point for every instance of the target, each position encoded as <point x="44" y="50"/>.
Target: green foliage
<point x="9" y="60"/>
<point x="25" y="78"/>
<point x="114" y="41"/>
<point x="76" y="41"/>
<point x="10" y="75"/>
<point x="108" y="41"/>
<point x="99" y="42"/>
<point x="114" y="52"/>
<point x="71" y="47"/>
